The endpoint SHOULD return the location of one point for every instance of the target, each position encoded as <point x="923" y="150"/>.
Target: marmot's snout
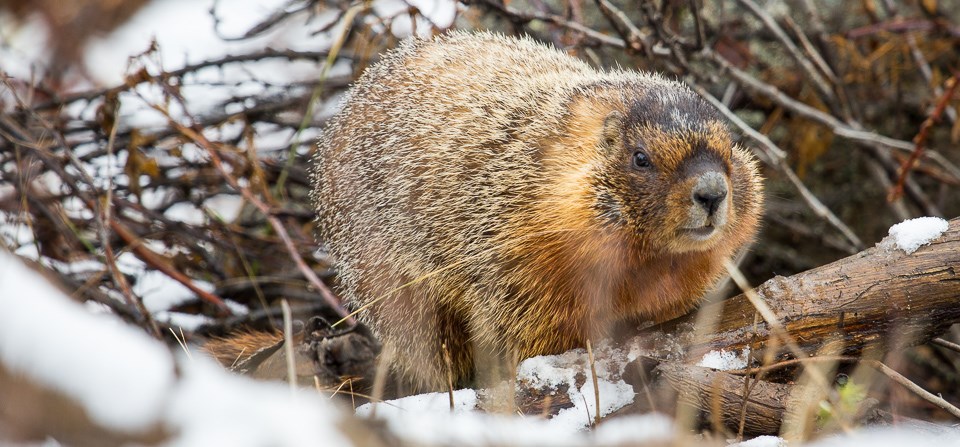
<point x="708" y="205"/>
<point x="710" y="192"/>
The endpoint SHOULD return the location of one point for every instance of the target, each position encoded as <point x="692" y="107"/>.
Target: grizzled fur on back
<point x="477" y="194"/>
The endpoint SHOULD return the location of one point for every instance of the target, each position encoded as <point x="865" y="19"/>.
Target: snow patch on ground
<point x="212" y="407"/>
<point x="634" y="429"/>
<point x="236" y="308"/>
<point x="892" y="437"/>
<point x="225" y="206"/>
<point x="187" y="213"/>
<point x="912" y="234"/>
<point x="463" y="400"/>
<point x="726" y="360"/>
<point x="477" y="429"/>
<point x="762" y="441"/>
<point x="126" y="381"/>
<point x="427" y="418"/>
<point x="555" y="370"/>
<point x="439" y="426"/>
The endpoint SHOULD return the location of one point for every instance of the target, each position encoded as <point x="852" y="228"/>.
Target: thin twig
<point x="946" y="344"/>
<point x="158" y="262"/>
<point x="111" y="259"/>
<point x="949" y="88"/>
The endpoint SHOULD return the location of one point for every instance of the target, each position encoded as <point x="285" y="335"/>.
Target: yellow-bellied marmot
<point x="499" y="197"/>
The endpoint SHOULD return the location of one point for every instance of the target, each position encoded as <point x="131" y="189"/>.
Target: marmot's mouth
<point x="699" y="233"/>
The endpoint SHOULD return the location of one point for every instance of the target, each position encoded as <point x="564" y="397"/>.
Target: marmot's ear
<point x="612" y="130"/>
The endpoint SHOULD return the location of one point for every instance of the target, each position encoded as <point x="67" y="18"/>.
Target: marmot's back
<point x="429" y="103"/>
<point x="483" y="195"/>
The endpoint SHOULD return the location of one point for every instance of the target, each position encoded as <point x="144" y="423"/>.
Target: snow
<point x="637" y="428"/>
<point x="119" y="374"/>
<point x="160" y="292"/>
<point x="762" y="441"/>
<point x="463" y="401"/>
<point x="212" y="407"/>
<point x="439" y="426"/>
<point x="225" y="206"/>
<point x="912" y="234"/>
<point x="13" y="233"/>
<point x="185" y="321"/>
<point x="236" y="308"/>
<point x="187" y="213"/>
<point x="892" y="437"/>
<point x="555" y="370"/>
<point x="478" y="429"/>
<point x="21" y="45"/>
<point x="126" y="381"/>
<point x="438" y="12"/>
<point x="427" y="418"/>
<point x="724" y="360"/>
<point x="185" y="31"/>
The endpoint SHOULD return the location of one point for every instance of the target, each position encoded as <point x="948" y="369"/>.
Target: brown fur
<point x="238" y="347"/>
<point x="477" y="193"/>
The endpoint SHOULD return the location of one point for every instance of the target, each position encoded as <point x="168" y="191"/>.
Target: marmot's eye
<point x="641" y="160"/>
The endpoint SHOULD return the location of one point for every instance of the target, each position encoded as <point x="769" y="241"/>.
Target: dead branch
<point x="921" y="139"/>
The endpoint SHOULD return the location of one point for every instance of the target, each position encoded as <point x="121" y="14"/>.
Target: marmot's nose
<point x="710" y="191"/>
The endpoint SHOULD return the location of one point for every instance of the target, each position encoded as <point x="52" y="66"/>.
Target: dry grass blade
<point x="288" y="345"/>
<point x="596" y="383"/>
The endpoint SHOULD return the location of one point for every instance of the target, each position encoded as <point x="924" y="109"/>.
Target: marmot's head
<point x="669" y="174"/>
